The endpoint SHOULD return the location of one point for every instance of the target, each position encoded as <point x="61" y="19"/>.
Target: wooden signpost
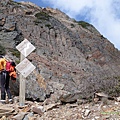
<point x="25" y="67"/>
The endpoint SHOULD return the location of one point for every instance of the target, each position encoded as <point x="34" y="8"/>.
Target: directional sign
<point x="25" y="47"/>
<point x="25" y="67"/>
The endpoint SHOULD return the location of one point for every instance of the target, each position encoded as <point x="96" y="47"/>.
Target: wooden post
<point x="22" y="86"/>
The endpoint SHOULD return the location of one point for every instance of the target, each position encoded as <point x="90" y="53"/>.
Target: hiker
<point x="4" y="80"/>
<point x="5" y="76"/>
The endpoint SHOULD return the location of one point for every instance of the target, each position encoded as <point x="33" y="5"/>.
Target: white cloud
<point x="103" y="14"/>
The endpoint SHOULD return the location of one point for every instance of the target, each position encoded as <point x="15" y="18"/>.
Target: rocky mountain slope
<point x="73" y="60"/>
<point x="110" y="110"/>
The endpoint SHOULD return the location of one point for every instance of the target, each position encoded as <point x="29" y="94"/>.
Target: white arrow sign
<point x="25" y="67"/>
<point x="25" y="47"/>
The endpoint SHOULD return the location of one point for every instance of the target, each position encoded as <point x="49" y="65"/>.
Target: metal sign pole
<point x="25" y="67"/>
<point x="22" y="87"/>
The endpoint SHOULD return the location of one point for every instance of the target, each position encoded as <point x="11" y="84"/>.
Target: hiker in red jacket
<point x="7" y="72"/>
<point x="4" y="81"/>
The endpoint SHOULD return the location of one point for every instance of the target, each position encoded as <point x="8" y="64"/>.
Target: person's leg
<point x="3" y="81"/>
<point x="7" y="86"/>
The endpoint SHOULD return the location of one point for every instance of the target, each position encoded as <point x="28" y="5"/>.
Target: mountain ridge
<point x="71" y="56"/>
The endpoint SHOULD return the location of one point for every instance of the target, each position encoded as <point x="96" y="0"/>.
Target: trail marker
<point x="25" y="67"/>
<point x="25" y="47"/>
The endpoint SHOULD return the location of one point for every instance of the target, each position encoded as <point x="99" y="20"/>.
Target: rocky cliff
<point x="72" y="59"/>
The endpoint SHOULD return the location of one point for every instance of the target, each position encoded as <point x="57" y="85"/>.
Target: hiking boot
<point x="10" y="100"/>
<point x="3" y="101"/>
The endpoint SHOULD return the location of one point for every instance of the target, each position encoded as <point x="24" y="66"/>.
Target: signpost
<point x="25" y="67"/>
<point x="25" y="47"/>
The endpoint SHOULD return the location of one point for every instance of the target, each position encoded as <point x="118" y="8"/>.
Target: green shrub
<point x="49" y="26"/>
<point x="17" y="61"/>
<point x="42" y="16"/>
<point x="72" y="25"/>
<point x="14" y="3"/>
<point x="83" y="24"/>
<point x="15" y="52"/>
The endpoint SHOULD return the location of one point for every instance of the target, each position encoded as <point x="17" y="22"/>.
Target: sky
<point x="104" y="15"/>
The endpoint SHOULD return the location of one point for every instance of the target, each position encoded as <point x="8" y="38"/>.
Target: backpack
<point x="12" y="71"/>
<point x="8" y="65"/>
<point x="2" y="63"/>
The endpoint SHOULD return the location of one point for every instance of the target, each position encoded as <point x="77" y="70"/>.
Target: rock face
<point x="71" y="57"/>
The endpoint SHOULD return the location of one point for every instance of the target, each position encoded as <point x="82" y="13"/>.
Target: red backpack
<point x="8" y="64"/>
